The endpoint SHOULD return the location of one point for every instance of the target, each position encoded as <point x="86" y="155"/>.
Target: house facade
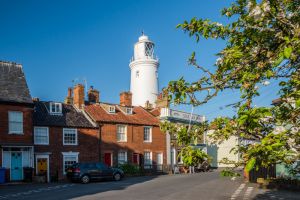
<point x="16" y="108"/>
<point x="129" y="134"/>
<point x="63" y="135"/>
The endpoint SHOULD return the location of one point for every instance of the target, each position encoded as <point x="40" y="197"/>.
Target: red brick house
<point x="129" y="134"/>
<point x="63" y="135"/>
<point x="16" y="107"/>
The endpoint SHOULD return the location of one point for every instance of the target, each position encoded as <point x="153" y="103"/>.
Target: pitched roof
<point x="155" y="112"/>
<point x="13" y="84"/>
<point x="70" y="117"/>
<point x="139" y="115"/>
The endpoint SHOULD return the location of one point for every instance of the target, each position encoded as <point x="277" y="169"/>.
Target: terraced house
<point x="16" y="108"/>
<point x="63" y="135"/>
<point x="128" y="133"/>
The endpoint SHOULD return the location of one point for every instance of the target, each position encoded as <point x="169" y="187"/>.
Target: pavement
<point x="204" y="186"/>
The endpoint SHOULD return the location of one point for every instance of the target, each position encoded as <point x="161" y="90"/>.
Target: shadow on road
<point x="84" y="190"/>
<point x="278" y="194"/>
<point x="68" y="190"/>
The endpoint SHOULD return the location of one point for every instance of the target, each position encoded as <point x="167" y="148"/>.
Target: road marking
<point x="238" y="191"/>
<point x="248" y="193"/>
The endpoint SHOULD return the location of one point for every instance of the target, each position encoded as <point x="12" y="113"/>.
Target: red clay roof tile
<point x="139" y="116"/>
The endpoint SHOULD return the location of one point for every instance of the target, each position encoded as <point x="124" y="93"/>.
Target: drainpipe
<point x="100" y="142"/>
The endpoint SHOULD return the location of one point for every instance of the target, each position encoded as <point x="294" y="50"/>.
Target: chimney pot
<point x="36" y="99"/>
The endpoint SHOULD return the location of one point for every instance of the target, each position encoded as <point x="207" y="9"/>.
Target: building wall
<point x="135" y="142"/>
<point x="25" y="138"/>
<point x="222" y="150"/>
<point x="87" y="148"/>
<point x="16" y="139"/>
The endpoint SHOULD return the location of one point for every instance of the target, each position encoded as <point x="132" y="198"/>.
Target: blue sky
<point x="60" y="41"/>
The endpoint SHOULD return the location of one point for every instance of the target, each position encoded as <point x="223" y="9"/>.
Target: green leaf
<point x="287" y="52"/>
<point x="298" y="103"/>
<point x="250" y="164"/>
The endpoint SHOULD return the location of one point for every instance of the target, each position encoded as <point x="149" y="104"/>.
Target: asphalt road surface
<point x="170" y="187"/>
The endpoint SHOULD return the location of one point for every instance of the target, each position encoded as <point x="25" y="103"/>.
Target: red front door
<point x="135" y="158"/>
<point x="107" y="159"/>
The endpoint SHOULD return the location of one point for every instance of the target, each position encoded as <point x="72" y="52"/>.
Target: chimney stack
<point x="162" y="100"/>
<point x="93" y="95"/>
<point x="78" y="99"/>
<point x="69" y="98"/>
<point x="126" y="99"/>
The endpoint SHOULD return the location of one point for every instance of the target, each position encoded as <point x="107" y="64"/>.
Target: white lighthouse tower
<point x="144" y="73"/>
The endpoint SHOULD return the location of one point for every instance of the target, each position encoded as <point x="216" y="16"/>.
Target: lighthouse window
<point x="137" y="74"/>
<point x="149" y="49"/>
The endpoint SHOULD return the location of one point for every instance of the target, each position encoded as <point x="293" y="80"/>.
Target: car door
<point x="92" y="170"/>
<point x="104" y="170"/>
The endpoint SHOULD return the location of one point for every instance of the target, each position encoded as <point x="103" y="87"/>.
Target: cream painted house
<point x="219" y="151"/>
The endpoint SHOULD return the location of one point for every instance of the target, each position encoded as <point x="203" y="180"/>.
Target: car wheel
<point x="85" y="179"/>
<point x="117" y="176"/>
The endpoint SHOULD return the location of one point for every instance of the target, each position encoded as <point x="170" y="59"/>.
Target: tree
<point x="262" y="44"/>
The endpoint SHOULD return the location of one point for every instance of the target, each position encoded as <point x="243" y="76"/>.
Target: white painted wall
<point x="220" y="151"/>
<point x="144" y="74"/>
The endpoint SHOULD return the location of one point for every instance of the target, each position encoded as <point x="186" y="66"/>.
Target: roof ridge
<point x="147" y="111"/>
<point x="9" y="63"/>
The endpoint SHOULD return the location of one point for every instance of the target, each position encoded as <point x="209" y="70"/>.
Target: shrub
<point x="130" y="169"/>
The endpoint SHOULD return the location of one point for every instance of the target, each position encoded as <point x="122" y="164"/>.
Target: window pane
<point x="70" y="136"/>
<point x="147" y="158"/>
<point x="121" y="133"/>
<point x="40" y="135"/>
<point x="147" y="134"/>
<point x="69" y="161"/>
<point x="122" y="157"/>
<point x="15" y="122"/>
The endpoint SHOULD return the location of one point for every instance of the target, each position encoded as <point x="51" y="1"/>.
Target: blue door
<point x="16" y="166"/>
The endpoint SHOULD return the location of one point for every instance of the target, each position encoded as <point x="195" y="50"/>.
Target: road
<point x="195" y="186"/>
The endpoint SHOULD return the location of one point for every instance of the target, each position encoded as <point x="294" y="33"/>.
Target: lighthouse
<point x="144" y="73"/>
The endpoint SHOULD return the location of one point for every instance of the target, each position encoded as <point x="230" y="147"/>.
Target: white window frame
<point x="21" y="132"/>
<point x="124" y="133"/>
<point x="150" y="132"/>
<point x="56" y="111"/>
<point x="69" y="154"/>
<point x="35" y="142"/>
<point x="112" y="109"/>
<point x="128" y="111"/>
<point x="151" y="160"/>
<point x="125" y="158"/>
<point x="76" y="136"/>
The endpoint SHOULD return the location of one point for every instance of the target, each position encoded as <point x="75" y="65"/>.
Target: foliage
<point x="130" y="169"/>
<point x="262" y="44"/>
<point x="186" y="137"/>
<point x="192" y="156"/>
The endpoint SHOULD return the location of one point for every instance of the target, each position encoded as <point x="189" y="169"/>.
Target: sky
<point x="59" y="42"/>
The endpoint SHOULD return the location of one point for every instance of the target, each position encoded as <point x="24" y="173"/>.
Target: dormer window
<point x="129" y="111"/>
<point x="55" y="108"/>
<point x="111" y="109"/>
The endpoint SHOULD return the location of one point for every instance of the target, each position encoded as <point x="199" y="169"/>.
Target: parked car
<point x="86" y="172"/>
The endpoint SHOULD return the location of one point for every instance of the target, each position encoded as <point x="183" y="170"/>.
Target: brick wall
<point x="24" y="139"/>
<point x="135" y="142"/>
<point x="88" y="145"/>
<point x="87" y="148"/>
